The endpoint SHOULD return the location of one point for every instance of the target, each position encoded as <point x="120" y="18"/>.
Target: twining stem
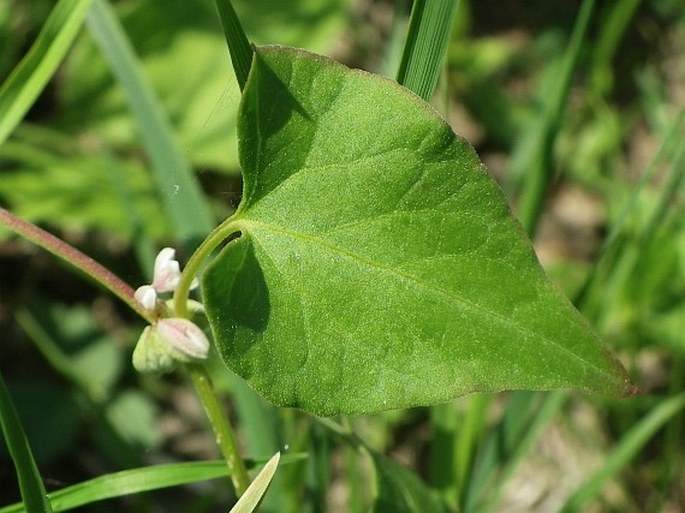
<point x="222" y="428"/>
<point x="192" y="267"/>
<point x="225" y="437"/>
<point x="79" y="260"/>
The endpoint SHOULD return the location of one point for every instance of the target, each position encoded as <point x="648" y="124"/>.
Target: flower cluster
<point x="169" y="340"/>
<point x="167" y="273"/>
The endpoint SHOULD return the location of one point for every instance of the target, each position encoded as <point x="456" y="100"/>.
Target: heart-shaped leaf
<point x="378" y="265"/>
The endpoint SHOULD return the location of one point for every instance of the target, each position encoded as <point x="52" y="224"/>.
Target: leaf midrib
<point x="253" y="227"/>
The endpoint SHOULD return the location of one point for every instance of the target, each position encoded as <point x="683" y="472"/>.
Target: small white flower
<point x="167" y="271"/>
<point x="146" y="295"/>
<point x="167" y="274"/>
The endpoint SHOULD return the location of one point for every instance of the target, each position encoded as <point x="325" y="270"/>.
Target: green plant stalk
<point x="225" y="436"/>
<point x="668" y="192"/>
<point x="604" y="51"/>
<point x="673" y="436"/>
<point x="79" y="260"/>
<point x="192" y="268"/>
<point x="455" y="440"/>
<point x="524" y="420"/>
<point x="548" y="409"/>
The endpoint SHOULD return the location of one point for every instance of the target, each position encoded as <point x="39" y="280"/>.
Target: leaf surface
<point x="378" y="265"/>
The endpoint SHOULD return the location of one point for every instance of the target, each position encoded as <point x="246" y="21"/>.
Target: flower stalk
<point x="192" y="268"/>
<point x="225" y="436"/>
<point x="169" y="338"/>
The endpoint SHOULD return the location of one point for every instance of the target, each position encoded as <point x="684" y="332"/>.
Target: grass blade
<point x="179" y="189"/>
<point x="534" y="160"/>
<point x="468" y="440"/>
<point x="528" y="414"/>
<point x="604" y="51"/>
<point x="456" y="437"/>
<point x="668" y="193"/>
<point x="254" y="493"/>
<point x="606" y="257"/>
<point x="238" y="44"/>
<point x="138" y="480"/>
<point x="30" y="483"/>
<point x="631" y="443"/>
<point x="425" y="45"/>
<point x="28" y="79"/>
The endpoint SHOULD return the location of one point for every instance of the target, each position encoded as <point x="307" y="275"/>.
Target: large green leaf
<point x="378" y="264"/>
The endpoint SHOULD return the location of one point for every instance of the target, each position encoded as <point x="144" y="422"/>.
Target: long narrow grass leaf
<point x="444" y="471"/>
<point x="672" y="139"/>
<point x="535" y="163"/>
<point x="527" y="416"/>
<point x="613" y="30"/>
<point x="425" y="45"/>
<point x="254" y="493"/>
<point x="27" y="80"/>
<point x="669" y="191"/>
<point x="238" y="44"/>
<point x="626" y="449"/>
<point x="30" y="482"/>
<point x="468" y="439"/>
<point x="180" y="192"/>
<point x="392" y="53"/>
<point x="548" y="410"/>
<point x="138" y="480"/>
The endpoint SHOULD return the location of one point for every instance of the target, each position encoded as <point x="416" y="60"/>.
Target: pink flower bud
<point x="184" y="336"/>
<point x="169" y="341"/>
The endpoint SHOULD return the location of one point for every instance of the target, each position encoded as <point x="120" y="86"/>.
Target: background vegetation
<point x="597" y="125"/>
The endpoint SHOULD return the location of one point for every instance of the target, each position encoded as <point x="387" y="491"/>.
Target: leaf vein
<point x="501" y="319"/>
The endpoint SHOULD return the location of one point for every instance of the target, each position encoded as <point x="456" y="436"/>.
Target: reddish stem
<point x="79" y="260"/>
